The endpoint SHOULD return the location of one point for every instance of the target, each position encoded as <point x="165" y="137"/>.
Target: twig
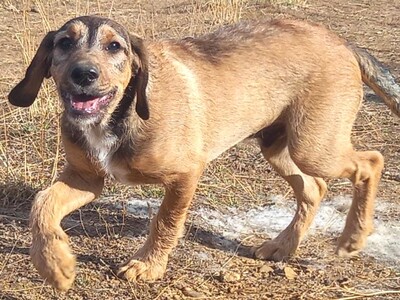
<point x="357" y="295"/>
<point x="83" y="226"/>
<point x="8" y="256"/>
<point x="13" y="218"/>
<point x="24" y="290"/>
<point x="169" y="286"/>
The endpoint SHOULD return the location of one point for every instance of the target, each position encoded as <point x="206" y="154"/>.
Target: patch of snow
<point x="233" y="223"/>
<point x="143" y="208"/>
<point x="271" y="219"/>
<point x="204" y="256"/>
<point x="384" y="243"/>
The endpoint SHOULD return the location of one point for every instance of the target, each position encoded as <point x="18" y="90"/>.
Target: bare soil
<point x="201" y="267"/>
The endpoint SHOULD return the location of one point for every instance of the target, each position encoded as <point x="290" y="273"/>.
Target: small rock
<point x="229" y="276"/>
<point x="188" y="292"/>
<point x="343" y="281"/>
<point x="12" y="8"/>
<point x="289" y="273"/>
<point x="265" y="269"/>
<point x="327" y="282"/>
<point x="344" y="208"/>
<point x="34" y="9"/>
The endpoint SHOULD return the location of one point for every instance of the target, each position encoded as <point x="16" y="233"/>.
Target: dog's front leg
<point x="50" y="252"/>
<point x="150" y="261"/>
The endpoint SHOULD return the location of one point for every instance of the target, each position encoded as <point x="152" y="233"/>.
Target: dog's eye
<point x="65" y="43"/>
<point x="113" y="47"/>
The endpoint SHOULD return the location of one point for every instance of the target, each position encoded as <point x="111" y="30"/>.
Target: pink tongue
<point x="88" y="105"/>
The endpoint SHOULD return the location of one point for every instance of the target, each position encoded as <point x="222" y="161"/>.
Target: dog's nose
<point x="84" y="75"/>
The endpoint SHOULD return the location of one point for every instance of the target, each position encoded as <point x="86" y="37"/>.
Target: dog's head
<point x="95" y="64"/>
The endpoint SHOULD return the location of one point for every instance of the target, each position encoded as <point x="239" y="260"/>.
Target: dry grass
<point x="226" y="11"/>
<point x="30" y="138"/>
<point x="297" y="3"/>
<point x="30" y="150"/>
<point x="31" y="156"/>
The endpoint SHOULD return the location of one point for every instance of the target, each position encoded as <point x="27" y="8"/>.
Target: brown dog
<point x="293" y="86"/>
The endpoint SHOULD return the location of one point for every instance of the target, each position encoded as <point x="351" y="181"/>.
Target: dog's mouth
<point x="86" y="104"/>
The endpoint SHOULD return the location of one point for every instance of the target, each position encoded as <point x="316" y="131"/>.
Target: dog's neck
<point x="101" y="141"/>
<point x="125" y="107"/>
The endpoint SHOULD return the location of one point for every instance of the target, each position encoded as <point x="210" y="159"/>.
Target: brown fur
<point x="292" y="85"/>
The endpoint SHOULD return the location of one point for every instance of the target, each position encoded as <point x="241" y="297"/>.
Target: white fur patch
<point x="102" y="145"/>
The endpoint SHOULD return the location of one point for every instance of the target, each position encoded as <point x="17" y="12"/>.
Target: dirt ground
<point x="201" y="267"/>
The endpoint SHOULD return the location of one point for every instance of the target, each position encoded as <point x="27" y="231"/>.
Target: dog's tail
<point x="378" y="78"/>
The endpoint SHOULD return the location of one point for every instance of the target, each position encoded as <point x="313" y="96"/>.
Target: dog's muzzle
<point x="87" y="104"/>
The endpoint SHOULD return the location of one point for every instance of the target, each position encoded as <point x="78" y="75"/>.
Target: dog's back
<point x="244" y="77"/>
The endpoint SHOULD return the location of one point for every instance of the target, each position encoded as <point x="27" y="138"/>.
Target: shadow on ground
<point x="16" y="194"/>
<point x="100" y="221"/>
<point x="216" y="241"/>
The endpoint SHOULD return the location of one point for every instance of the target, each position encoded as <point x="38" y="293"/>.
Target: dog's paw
<point x="350" y="245"/>
<point x="353" y="240"/>
<point x="53" y="259"/>
<point x="146" y="269"/>
<point x="275" y="250"/>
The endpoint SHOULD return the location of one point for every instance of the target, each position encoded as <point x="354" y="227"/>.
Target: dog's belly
<point x="119" y="174"/>
<point x="219" y="148"/>
<point x="225" y="136"/>
<point x="121" y="171"/>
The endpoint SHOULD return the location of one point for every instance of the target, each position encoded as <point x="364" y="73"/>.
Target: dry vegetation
<point x="31" y="155"/>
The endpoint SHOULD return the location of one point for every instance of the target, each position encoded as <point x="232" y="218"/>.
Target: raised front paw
<point x="139" y="268"/>
<point x="276" y="249"/>
<point x="53" y="259"/>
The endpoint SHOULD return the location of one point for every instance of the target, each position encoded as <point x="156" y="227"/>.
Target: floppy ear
<point x="141" y="76"/>
<point x="25" y="92"/>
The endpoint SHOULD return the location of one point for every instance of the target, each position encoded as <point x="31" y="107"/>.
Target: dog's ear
<point x="141" y="73"/>
<point x="25" y="92"/>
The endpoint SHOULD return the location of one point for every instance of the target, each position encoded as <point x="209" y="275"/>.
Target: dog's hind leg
<point x="150" y="261"/>
<point x="320" y="145"/>
<point x="50" y="252"/>
<point x="308" y="191"/>
<point x="364" y="170"/>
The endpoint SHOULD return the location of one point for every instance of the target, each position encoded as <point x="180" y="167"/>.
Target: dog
<point x="156" y="112"/>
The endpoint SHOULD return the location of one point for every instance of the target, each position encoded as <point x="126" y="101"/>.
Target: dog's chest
<point x="103" y="146"/>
